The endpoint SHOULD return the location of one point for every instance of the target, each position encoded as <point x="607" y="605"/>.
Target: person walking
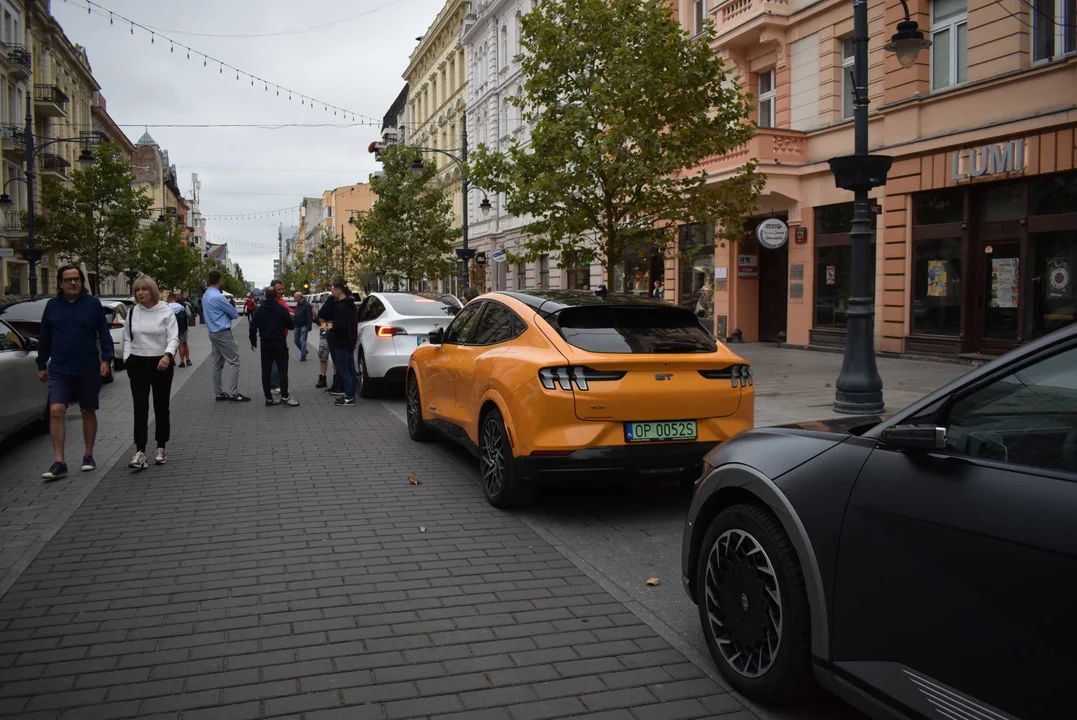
<point x="73" y="327"/>
<point x="219" y="314"/>
<point x="183" y="318"/>
<point x="343" y="337"/>
<point x="153" y="335"/>
<point x="271" y="321"/>
<point x="304" y="320"/>
<point x="248" y="307"/>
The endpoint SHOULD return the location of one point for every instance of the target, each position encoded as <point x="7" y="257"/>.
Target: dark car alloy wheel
<point x="417" y="428"/>
<point x="492" y="457"/>
<point x="744" y="603"/>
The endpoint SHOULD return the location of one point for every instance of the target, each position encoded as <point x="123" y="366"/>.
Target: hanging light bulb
<point x="171" y="48"/>
<point x="110" y="19"/>
<point x="132" y="28"/>
<point x="151" y="38"/>
<point x="222" y="69"/>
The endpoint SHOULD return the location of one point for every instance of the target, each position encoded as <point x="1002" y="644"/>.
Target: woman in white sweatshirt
<point x="152" y="338"/>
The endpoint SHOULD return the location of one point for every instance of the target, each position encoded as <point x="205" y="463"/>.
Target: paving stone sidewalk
<point x="282" y="565"/>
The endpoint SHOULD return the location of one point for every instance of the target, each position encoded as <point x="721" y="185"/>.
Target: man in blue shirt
<point x="74" y="353"/>
<point x="219" y="314"/>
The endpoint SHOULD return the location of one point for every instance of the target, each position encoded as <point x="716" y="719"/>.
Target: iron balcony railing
<point x="19" y="56"/>
<point x="54" y="163"/>
<point x="50" y="93"/>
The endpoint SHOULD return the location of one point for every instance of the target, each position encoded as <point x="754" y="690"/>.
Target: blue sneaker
<point x="57" y="471"/>
<point x="88" y="463"/>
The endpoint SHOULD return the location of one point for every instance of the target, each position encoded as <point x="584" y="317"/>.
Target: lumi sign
<point x="988" y="160"/>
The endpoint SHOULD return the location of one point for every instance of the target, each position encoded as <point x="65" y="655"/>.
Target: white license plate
<point x="659" y="431"/>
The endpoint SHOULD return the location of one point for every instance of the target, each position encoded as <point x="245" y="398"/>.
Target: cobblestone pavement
<point x="282" y="565"/>
<point x="31" y="511"/>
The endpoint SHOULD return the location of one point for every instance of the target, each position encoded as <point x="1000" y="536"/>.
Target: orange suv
<point x="547" y="385"/>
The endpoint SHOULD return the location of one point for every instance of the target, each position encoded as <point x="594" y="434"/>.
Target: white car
<point x="26" y="399"/>
<point x="391" y="326"/>
<point x="116" y="312"/>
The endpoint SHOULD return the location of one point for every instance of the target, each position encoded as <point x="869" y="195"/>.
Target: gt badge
<point x="663" y="376"/>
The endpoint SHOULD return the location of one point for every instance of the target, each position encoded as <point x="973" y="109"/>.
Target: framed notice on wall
<point x="1059" y="279"/>
<point x="1004" y="282"/>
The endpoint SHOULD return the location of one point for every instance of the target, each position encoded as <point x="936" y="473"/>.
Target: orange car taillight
<point x="739" y="375"/>
<point x="565" y="375"/>
<point x="388" y="331"/>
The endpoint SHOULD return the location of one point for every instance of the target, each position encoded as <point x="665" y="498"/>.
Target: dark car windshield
<point x="637" y="330"/>
<point x="419" y="306"/>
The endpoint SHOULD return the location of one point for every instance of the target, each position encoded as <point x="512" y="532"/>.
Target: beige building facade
<point x="975" y="248"/>
<point x="339" y="208"/>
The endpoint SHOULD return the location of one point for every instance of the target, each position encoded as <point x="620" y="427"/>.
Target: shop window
<point x="847" y="59"/>
<point x="767" y="94"/>
<point x="834" y="264"/>
<point x="14" y="279"/>
<point x="696" y="289"/>
<point x="578" y="278"/>
<point x="1002" y="202"/>
<point x="1053" y="194"/>
<point x="939" y="207"/>
<point x="521" y="276"/>
<point x="936" y="286"/>
<point x="1053" y="258"/>
<point x="1054" y="28"/>
<point x="544" y="272"/>
<point x="949" y="43"/>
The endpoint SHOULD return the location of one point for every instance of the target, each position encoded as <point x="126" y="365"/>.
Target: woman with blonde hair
<point x="152" y="339"/>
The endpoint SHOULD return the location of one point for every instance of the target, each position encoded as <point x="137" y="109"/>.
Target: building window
<point x="695" y="289"/>
<point x="504" y="46"/>
<point x="847" y="85"/>
<point x="521" y="276"/>
<point x="1054" y="28"/>
<point x="578" y="278"/>
<point x="765" y="81"/>
<point x="699" y="15"/>
<point x="519" y="110"/>
<point x="518" y="33"/>
<point x="504" y="117"/>
<point x="45" y="282"/>
<point x="949" y="43"/>
<point x="834" y="264"/>
<point x="544" y="272"/>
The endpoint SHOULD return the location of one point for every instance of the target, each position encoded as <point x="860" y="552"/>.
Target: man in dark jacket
<point x="74" y="353"/>
<point x="304" y="319"/>
<point x="343" y="336"/>
<point x="272" y="321"/>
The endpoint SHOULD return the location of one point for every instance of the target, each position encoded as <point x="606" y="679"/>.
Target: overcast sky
<point x="354" y="63"/>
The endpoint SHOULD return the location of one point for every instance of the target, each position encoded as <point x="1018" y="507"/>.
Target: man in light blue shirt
<point x="219" y="314"/>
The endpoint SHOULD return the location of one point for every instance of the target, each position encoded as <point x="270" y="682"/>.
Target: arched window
<point x="519" y="109"/>
<point x="504" y="46"/>
<point x="518" y="29"/>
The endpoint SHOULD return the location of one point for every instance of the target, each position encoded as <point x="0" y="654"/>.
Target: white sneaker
<point x="138" y="462"/>
<point x="159" y="458"/>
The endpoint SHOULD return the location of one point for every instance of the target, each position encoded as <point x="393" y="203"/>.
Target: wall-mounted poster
<point x="831" y="274"/>
<point x="1059" y="278"/>
<point x="936" y="278"/>
<point x="1004" y="282"/>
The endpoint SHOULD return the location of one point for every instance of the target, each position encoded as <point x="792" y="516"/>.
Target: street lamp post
<point x="86" y="158"/>
<point x="464" y="253"/>
<point x="859" y="389"/>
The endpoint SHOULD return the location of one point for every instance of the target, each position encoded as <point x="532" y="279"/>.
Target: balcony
<point x="11" y="140"/>
<point x="771" y="148"/>
<point x="740" y="23"/>
<point x="20" y="65"/>
<point x="54" y="166"/>
<point x="14" y="222"/>
<point x="49" y="102"/>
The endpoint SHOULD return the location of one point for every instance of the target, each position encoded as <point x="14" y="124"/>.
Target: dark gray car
<point x="921" y="566"/>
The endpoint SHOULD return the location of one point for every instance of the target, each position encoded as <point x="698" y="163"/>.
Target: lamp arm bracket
<point x="905" y="7"/>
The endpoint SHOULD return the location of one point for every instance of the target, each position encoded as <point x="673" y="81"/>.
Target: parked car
<point x="26" y="399"/>
<point x="25" y="317"/>
<point x="391" y="326"/>
<point x="561" y="385"/>
<point x="920" y="566"/>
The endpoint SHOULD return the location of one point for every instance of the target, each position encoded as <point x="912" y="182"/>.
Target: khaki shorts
<point x="323" y="347"/>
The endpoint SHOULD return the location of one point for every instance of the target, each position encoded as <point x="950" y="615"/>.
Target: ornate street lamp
<point x="859" y="389"/>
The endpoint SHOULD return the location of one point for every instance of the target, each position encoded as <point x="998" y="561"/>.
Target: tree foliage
<point x="95" y="219"/>
<point x="408" y="234"/>
<point x="164" y="257"/>
<point x="623" y="105"/>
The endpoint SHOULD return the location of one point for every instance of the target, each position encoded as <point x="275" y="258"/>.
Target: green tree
<point x="164" y="257"/>
<point x="624" y="104"/>
<point x="95" y="219"/>
<point x="408" y="234"/>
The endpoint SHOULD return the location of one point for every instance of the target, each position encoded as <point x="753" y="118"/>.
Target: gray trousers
<point x="225" y="350"/>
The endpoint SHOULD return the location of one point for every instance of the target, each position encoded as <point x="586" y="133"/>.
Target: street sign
<point x="480" y="258"/>
<point x="772" y="233"/>
<point x="498" y="256"/>
<point x="7" y="252"/>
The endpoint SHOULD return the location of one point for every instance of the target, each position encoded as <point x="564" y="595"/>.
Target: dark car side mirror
<point x="437" y="337"/>
<point x="31" y="344"/>
<point x="915" y="437"/>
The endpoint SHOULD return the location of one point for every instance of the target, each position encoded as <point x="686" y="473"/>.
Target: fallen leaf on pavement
<point x="422" y="528"/>
<point x="414" y="480"/>
<point x="653" y="581"/>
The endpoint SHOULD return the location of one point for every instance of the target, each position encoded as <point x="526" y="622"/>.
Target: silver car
<point x="25" y="398"/>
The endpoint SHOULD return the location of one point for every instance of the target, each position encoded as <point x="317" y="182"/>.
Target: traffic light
<point x="306" y="286"/>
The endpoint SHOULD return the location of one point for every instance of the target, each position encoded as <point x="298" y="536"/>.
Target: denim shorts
<point x="84" y="389"/>
<point x="183" y="336"/>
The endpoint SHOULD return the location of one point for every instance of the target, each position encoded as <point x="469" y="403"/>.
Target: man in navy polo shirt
<point x="74" y="353"/>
